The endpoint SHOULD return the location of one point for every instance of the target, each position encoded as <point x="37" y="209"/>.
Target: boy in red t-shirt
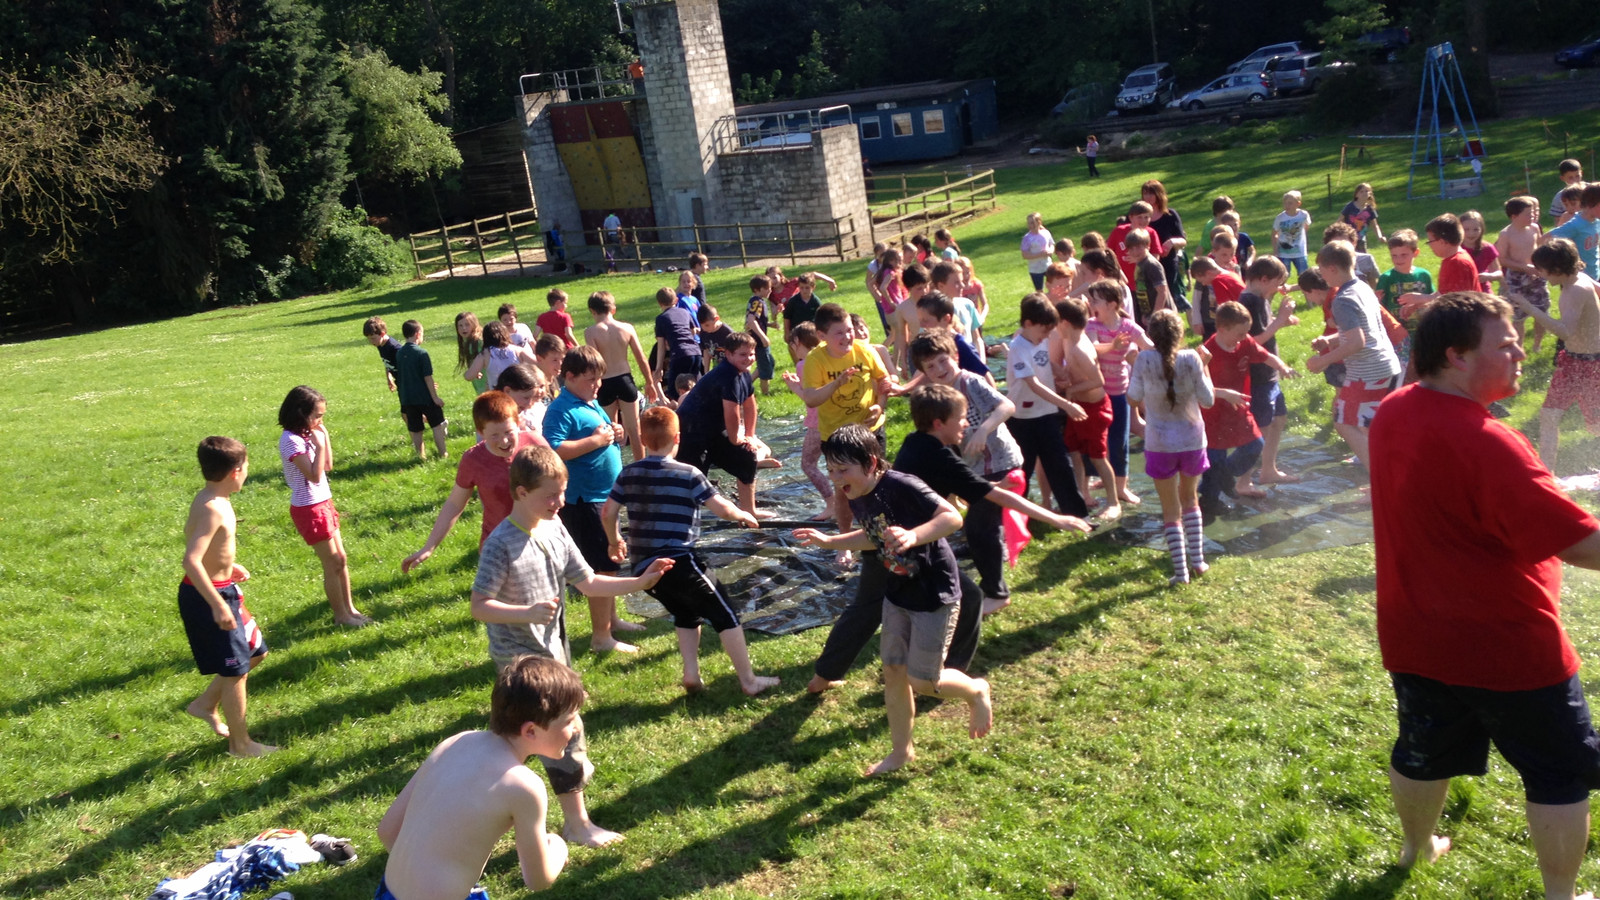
<point x="1233" y="442"/>
<point x="1225" y="287"/>
<point x="1457" y="271"/>
<point x="1138" y="217"/>
<point x="557" y="321"/>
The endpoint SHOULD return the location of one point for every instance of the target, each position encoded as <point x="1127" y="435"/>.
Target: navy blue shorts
<point x="478" y="892"/>
<point x="1266" y="403"/>
<point x="1545" y="734"/>
<point x="217" y="652"/>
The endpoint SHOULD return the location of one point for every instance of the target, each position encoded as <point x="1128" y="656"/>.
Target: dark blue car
<point x="1580" y="55"/>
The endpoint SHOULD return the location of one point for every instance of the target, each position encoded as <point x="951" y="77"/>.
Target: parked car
<point x="1229" y="90"/>
<point x="1085" y="102"/>
<point x="1301" y="72"/>
<point x="1258" y="58"/>
<point x="1147" y="88"/>
<point x="1584" y="53"/>
<point x="1385" y="43"/>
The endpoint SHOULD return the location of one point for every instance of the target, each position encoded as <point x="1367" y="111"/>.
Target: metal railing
<point x="950" y="198"/>
<point x="776" y="132"/>
<point x="645" y="248"/>
<point x="573" y="85"/>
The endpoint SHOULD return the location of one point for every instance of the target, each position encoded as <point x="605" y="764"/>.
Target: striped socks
<point x="1195" y="538"/>
<point x="1180" y="565"/>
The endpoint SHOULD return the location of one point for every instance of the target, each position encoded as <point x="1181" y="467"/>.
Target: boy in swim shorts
<point x="619" y="394"/>
<point x="447" y="820"/>
<point x="222" y="634"/>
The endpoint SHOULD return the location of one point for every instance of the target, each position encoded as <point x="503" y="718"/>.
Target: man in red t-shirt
<point x="1470" y="532"/>
<point x="485" y="469"/>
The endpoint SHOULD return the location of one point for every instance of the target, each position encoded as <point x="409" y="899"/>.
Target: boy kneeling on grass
<point x="906" y="523"/>
<point x="663" y="498"/>
<point x="476" y="786"/>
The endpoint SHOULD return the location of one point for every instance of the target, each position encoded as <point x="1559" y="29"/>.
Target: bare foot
<point x="770" y="463"/>
<point x="765" y="514"/>
<point x="624" y="625"/>
<point x="992" y="605"/>
<point x="982" y="711"/>
<point x="824" y="516"/>
<point x="844" y="559"/>
<point x="252" y="750"/>
<point x="757" y="684"/>
<point x="1129" y="497"/>
<point x="1111" y="512"/>
<point x="613" y="644"/>
<point x="818" y="684"/>
<point x="358" y="621"/>
<point x="890" y="763"/>
<point x="208" y="716"/>
<point x="1437" y="847"/>
<point x="1278" y="477"/>
<point x="693" y="685"/>
<point x="588" y="834"/>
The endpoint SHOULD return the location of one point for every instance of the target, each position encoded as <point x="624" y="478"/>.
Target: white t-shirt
<point x="1040" y="242"/>
<point x="522" y="336"/>
<point x="1292" y="233"/>
<point x="1026" y="358"/>
<point x="301" y="491"/>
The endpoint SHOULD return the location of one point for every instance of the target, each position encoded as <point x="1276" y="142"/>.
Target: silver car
<point x="1301" y="72"/>
<point x="1229" y="90"/>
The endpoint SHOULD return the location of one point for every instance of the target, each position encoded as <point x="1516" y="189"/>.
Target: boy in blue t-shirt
<point x="663" y="498"/>
<point x="586" y="440"/>
<point x="718" y="418"/>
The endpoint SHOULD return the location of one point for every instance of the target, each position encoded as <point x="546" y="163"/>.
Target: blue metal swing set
<point x="1442" y="75"/>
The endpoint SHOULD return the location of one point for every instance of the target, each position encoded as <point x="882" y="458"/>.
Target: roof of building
<point x="867" y="98"/>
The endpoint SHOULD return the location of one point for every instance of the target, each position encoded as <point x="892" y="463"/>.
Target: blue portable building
<point x="902" y="122"/>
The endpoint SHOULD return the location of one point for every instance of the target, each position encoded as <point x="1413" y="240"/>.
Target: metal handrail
<point x="775" y="132"/>
<point x="589" y="83"/>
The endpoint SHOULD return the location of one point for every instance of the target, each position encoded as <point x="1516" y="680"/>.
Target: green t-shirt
<point x="1394" y="282"/>
<point x="412" y="365"/>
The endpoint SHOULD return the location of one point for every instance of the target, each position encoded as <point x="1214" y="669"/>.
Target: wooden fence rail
<point x="511" y="239"/>
<point x="949" y="198"/>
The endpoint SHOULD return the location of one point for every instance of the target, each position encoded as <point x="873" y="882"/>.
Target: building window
<point x="871" y="130"/>
<point x="902" y="124"/>
<point x="933" y="121"/>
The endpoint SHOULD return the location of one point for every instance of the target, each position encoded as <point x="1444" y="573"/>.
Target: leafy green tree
<point x="393" y="134"/>
<point x="813" y="77"/>
<point x="1347" y="20"/>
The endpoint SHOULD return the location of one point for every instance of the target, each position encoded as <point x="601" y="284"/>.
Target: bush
<point x="1349" y="98"/>
<point x="352" y="252"/>
<point x="1061" y="133"/>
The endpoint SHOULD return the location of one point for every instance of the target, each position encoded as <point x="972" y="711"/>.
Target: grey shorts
<point x="917" y="640"/>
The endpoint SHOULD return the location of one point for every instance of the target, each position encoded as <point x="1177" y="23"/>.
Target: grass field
<point x="1226" y="740"/>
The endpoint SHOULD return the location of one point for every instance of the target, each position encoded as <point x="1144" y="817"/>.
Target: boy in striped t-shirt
<point x="663" y="498"/>
<point x="1372" y="370"/>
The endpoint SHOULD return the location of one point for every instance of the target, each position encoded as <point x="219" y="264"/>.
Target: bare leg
<point x="204" y="707"/>
<point x="1356" y="437"/>
<point x="1108" y="482"/>
<point x="439" y="436"/>
<point x="972" y="691"/>
<point x="1125" y="495"/>
<point x="901" y="706"/>
<point x="336" y="581"/>
<point x="628" y="415"/>
<point x="689" y="649"/>
<point x="1270" y="473"/>
<point x="1044" y="485"/>
<point x="575" y="825"/>
<point x="1560" y="835"/>
<point x="747" y="502"/>
<point x="602" y="621"/>
<point x="733" y="643"/>
<point x="233" y="709"/>
<point x="1080" y="473"/>
<point x="1419" y="805"/>
<point x="416" y="444"/>
<point x="1549" y="436"/>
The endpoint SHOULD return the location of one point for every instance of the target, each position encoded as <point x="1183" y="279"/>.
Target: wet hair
<point x="1559" y="256"/>
<point x="930" y="344"/>
<point x="1203" y="265"/>
<point x="1157" y="190"/>
<point x="807" y="280"/>
<point x="932" y="403"/>
<point x="373" y="326"/>
<point x="1568" y="166"/>
<point x="657" y="427"/>
<point x="1074" y="311"/>
<point x="1516" y="206"/>
<point x="1220" y="205"/>
<point x="1312" y="280"/>
<point x="854" y="445"/>
<point x="1101" y="262"/>
<point x="1339" y="231"/>
<point x="602" y="301"/>
<point x="219" y="456"/>
<point x="532" y="465"/>
<point x="520" y="377"/>
<point x="1266" y="268"/>
<point x="1140" y="208"/>
<point x="1092" y="240"/>
<point x="913" y="275"/>
<point x="859" y="323"/>
<point x="1056" y="272"/>
<point x="1453" y="321"/>
<point x="936" y="304"/>
<point x="738" y="340"/>
<point x="555" y="296"/>
<point x="828" y="315"/>
<point x="805" y="334"/>
<point x="1136" y="238"/>
<point x="533" y="689"/>
<point x="666" y="297"/>
<point x="469" y="346"/>
<point x="1166" y="333"/>
<point x="759" y="283"/>
<point x="1105" y="290"/>
<point x="411" y="328"/>
<point x="1037" y="310"/>
<point x="495" y="334"/>
<point x="294" y="415"/>
<point x="943" y="271"/>
<point x="1405" y="237"/>
<point x="1590" y="196"/>
<point x="491" y="407"/>
<point x="510" y="308"/>
<point x="581" y="361"/>
<point x="1341" y="254"/>
<point x="684" y="382"/>
<point x="1445" y="227"/>
<point x="549" y="343"/>
<point x="707" y="314"/>
<point x="1231" y="314"/>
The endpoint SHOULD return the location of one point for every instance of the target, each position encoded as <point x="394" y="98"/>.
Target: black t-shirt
<point x="797" y="310"/>
<point x="1260" y="318"/>
<point x="718" y="339"/>
<point x="390" y="351"/>
<point x="924" y="578"/>
<point x="678" y="328"/>
<point x="939" y="467"/>
<point x="1166" y="228"/>
<point x="700" y="412"/>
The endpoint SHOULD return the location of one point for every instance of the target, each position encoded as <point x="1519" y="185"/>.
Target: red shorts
<point x="317" y="522"/>
<point x="1088" y="436"/>
<point x="1357" y="401"/>
<point x="1576" y="383"/>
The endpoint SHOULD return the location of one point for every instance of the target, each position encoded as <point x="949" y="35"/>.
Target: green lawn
<point x="1226" y="740"/>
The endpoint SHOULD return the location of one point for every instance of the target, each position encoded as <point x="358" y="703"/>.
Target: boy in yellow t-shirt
<point x="846" y="383"/>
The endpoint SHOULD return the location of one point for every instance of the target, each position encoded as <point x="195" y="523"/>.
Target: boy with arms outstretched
<point x="476" y="786"/>
<point x="522" y="569"/>
<point x="222" y="634"/>
<point x="663" y="499"/>
<point x="1523" y="285"/>
<point x="906" y="524"/>
<point x="616" y="341"/>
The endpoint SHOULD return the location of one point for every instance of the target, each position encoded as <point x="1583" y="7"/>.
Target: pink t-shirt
<point x="490" y="475"/>
<point x="557" y="323"/>
<point x="1114" y="366"/>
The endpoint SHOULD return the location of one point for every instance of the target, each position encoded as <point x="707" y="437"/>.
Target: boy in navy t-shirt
<point x="718" y="419"/>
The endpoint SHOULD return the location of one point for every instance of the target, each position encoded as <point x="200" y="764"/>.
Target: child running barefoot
<point x="1172" y="385"/>
<point x="1577" y="377"/>
<point x="307" y="459"/>
<point x="906" y="523"/>
<point x="803" y="338"/>
<point x="663" y="499"/>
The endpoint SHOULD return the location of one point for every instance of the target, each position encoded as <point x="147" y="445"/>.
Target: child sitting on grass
<point x="906" y="524"/>
<point x="1576" y="381"/>
<point x="476" y="785"/>
<point x="307" y="454"/>
<point x="223" y="636"/>
<point x="663" y="499"/>
<point x="522" y="569"/>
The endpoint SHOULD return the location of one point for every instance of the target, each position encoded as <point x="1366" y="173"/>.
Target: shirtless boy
<point x="1576" y="381"/>
<point x="1515" y="246"/>
<point x="904" y="324"/>
<point x="222" y="635"/>
<point x="1078" y="378"/>
<point x="476" y="786"/>
<point x="619" y="395"/>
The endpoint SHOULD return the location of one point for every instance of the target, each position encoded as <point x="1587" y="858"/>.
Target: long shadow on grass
<point x="1377" y="887"/>
<point x="81" y="687"/>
